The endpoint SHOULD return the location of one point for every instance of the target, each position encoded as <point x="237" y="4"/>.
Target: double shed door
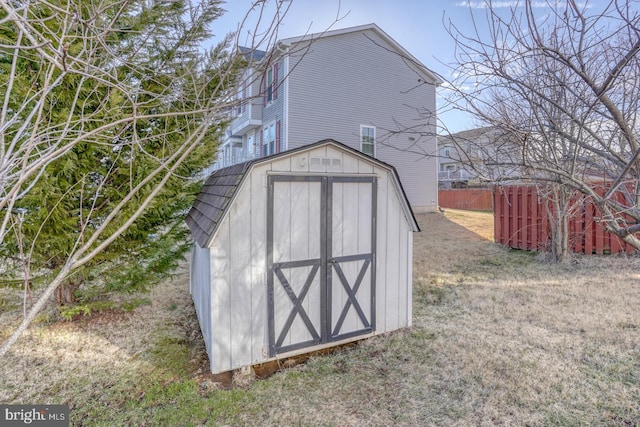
<point x="321" y="243"/>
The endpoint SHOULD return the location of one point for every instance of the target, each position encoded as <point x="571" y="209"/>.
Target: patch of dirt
<point x="451" y="238"/>
<point x="97" y="318"/>
<point x="480" y="223"/>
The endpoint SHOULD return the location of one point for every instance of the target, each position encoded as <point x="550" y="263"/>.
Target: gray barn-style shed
<point x="299" y="251"/>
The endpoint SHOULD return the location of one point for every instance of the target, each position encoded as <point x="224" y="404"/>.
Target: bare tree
<point x="119" y="93"/>
<point x="560" y="83"/>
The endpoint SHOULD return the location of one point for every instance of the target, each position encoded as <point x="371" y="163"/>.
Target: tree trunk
<point x="558" y="209"/>
<point x="65" y="293"/>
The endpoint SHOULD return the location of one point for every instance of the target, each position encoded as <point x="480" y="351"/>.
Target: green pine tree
<point x="132" y="84"/>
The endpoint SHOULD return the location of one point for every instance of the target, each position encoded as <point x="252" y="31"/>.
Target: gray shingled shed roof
<point x="219" y="189"/>
<point x="208" y="209"/>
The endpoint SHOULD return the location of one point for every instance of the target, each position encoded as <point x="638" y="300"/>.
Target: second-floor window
<point x="368" y="140"/>
<point x="241" y="99"/>
<point x="271" y="84"/>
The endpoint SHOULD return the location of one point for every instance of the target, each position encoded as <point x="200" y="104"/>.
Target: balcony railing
<point x="246" y="120"/>
<point x="458" y="175"/>
<point x="227" y="160"/>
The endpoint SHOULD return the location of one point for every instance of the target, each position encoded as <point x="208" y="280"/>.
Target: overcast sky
<point x="417" y="25"/>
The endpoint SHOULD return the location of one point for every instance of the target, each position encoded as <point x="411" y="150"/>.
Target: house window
<point x="367" y="140"/>
<point x="271" y="84"/>
<point x="447" y="151"/>
<point x="269" y="141"/>
<point x="240" y="97"/>
<point x="250" y="150"/>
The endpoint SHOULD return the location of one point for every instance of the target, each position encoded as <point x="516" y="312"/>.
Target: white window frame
<point x="269" y="144"/>
<point x="270" y="73"/>
<point x="250" y="150"/>
<point x="372" y="143"/>
<point x="240" y="101"/>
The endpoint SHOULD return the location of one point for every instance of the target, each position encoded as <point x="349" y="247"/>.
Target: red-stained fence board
<point x="523" y="219"/>
<point x="472" y="199"/>
<point x="520" y="221"/>
<point x="497" y="215"/>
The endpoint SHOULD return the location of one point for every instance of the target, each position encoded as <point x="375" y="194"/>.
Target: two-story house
<point x="476" y="156"/>
<point x="458" y="154"/>
<point x="355" y="85"/>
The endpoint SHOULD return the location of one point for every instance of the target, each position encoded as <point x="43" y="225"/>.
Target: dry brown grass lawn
<point x="500" y="337"/>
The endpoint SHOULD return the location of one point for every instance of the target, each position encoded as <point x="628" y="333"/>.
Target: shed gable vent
<point x="324" y="163"/>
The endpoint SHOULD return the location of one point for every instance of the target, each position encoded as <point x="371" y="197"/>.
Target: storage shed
<point x="299" y="251"/>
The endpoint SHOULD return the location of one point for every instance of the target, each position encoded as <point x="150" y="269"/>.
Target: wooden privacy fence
<point x="472" y="199"/>
<point x="521" y="222"/>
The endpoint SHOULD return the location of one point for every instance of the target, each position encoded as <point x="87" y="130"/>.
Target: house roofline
<point x="288" y="42"/>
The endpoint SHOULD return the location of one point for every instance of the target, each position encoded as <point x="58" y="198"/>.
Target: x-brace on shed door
<point x="321" y="244"/>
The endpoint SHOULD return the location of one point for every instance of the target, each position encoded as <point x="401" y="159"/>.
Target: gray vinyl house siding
<point x="253" y="106"/>
<point x="255" y="101"/>
<point x="375" y="86"/>
<point x="331" y="84"/>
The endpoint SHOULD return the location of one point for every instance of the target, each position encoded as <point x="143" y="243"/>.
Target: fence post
<point x="506" y="212"/>
<point x="497" y="214"/>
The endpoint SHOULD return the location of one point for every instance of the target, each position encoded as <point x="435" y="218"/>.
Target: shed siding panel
<point x="200" y="287"/>
<point x="378" y="88"/>
<point x="403" y="256"/>
<point x="300" y="162"/>
<point x="220" y="356"/>
<point x="392" y="261"/>
<point x="281" y="165"/>
<point x="240" y="279"/>
<point x="409" y="283"/>
<point x="381" y="256"/>
<point x="258" y="214"/>
<point x="367" y="167"/>
<point x="350" y="164"/>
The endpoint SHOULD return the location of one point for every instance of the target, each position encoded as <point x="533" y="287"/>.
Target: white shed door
<point x="320" y="259"/>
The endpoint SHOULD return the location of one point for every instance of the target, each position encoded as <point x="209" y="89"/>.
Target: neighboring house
<point x="475" y="157"/>
<point x="354" y="85"/>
